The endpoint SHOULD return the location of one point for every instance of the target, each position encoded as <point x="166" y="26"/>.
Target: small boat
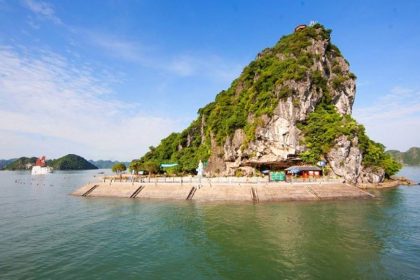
<point x="40" y="167"/>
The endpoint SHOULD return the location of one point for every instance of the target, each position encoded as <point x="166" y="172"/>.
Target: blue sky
<point x="107" y="79"/>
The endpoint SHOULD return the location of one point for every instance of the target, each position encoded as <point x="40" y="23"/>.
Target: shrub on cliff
<point x="325" y="125"/>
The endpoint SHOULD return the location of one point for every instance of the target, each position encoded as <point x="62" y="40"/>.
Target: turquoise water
<point x="47" y="234"/>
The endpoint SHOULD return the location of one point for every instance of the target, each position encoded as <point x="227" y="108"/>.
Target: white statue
<point x="200" y="170"/>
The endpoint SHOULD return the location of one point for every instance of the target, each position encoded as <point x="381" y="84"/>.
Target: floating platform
<point x="224" y="192"/>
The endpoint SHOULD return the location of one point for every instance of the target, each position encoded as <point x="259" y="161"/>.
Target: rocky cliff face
<point x="278" y="137"/>
<point x="257" y="119"/>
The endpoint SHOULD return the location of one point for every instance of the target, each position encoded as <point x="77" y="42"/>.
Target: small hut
<point x="304" y="171"/>
<point x="300" y="27"/>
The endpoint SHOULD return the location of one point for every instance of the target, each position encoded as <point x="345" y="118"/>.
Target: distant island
<point x="4" y="162"/>
<point x="21" y="163"/>
<point x="71" y="162"/>
<point x="106" y="164"/>
<point x="67" y="162"/>
<point x="410" y="157"/>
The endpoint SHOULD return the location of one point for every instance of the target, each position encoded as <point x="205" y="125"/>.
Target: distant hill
<point x="105" y="164"/>
<point x="71" y="162"/>
<point x="68" y="162"/>
<point x="410" y="157"/>
<point x="21" y="163"/>
<point x="4" y="162"/>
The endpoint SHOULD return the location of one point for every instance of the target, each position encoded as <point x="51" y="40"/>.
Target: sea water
<point x="45" y="233"/>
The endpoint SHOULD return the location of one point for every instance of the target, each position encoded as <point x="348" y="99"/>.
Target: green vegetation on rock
<point x="71" y="162"/>
<point x="21" y="163"/>
<point x="254" y="94"/>
<point x="68" y="162"/>
<point x="325" y="125"/>
<point x="169" y="151"/>
<point x="275" y="76"/>
<point x="4" y="162"/>
<point x="105" y="164"/>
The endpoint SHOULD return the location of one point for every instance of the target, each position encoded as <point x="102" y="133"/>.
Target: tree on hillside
<point x="119" y="167"/>
<point x="135" y="166"/>
<point x="151" y="167"/>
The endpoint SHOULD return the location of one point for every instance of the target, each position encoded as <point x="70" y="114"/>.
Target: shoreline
<point x="390" y="183"/>
<point x="394" y="181"/>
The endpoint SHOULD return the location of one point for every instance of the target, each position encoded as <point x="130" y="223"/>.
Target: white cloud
<point x="394" y="119"/>
<point x="45" y="95"/>
<point x="117" y="47"/>
<point x="42" y="9"/>
<point x="184" y="65"/>
<point x="207" y="65"/>
<point x="33" y="24"/>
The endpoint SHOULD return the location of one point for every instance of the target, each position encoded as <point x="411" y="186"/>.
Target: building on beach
<point x="304" y="170"/>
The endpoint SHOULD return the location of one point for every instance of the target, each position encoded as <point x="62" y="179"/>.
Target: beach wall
<point x="223" y="192"/>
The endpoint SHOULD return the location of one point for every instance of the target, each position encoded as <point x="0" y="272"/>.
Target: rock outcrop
<point x="258" y="119"/>
<point x="279" y="137"/>
<point x="345" y="159"/>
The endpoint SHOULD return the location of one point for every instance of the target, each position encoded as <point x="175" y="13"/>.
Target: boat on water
<point x="40" y="167"/>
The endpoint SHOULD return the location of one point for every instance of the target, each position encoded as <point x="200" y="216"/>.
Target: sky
<point x="107" y="79"/>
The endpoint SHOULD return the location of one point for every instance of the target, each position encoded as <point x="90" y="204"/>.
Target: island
<point x="283" y="130"/>
<point x="67" y="162"/>
<point x="71" y="162"/>
<point x="410" y="157"/>
<point x="105" y="164"/>
<point x="4" y="162"/>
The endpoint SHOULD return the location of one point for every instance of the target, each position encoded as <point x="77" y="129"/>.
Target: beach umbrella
<point x="294" y="170"/>
<point x="321" y="163"/>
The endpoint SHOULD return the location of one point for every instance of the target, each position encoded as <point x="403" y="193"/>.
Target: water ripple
<point x="45" y="233"/>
